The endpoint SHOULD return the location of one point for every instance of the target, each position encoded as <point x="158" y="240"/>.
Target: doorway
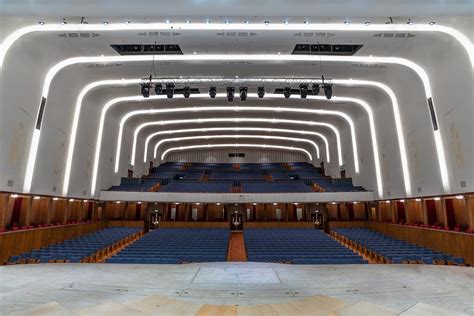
<point x="236" y="221"/>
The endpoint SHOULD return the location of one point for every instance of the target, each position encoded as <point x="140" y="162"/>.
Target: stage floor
<point x="397" y="287"/>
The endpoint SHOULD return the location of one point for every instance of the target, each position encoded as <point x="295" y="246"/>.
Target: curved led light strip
<point x="359" y="27"/>
<point x="362" y="103"/>
<point x="291" y="139"/>
<point x="347" y="82"/>
<point x="365" y="59"/>
<point x="232" y="129"/>
<point x="234" y="109"/>
<point x="166" y="152"/>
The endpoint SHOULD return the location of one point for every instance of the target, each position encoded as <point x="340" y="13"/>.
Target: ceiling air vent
<point x="104" y="65"/>
<point x="237" y="34"/>
<point x="394" y="35"/>
<point x="371" y="65"/>
<point x="161" y="34"/>
<point x="147" y="49"/>
<point x="326" y="49"/>
<point x="314" y="34"/>
<point x="79" y="35"/>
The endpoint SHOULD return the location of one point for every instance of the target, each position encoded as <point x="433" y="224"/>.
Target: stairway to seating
<point x="237" y="250"/>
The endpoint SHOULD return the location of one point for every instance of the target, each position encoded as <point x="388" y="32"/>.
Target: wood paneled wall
<point x="137" y="224"/>
<point x="278" y="225"/>
<point x="454" y="243"/>
<point x="194" y="225"/>
<point x="14" y="243"/>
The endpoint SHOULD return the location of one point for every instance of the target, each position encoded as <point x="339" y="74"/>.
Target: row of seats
<point x="194" y="177"/>
<point x="299" y="246"/>
<point x="176" y="245"/>
<point x="76" y="249"/>
<point x="390" y="250"/>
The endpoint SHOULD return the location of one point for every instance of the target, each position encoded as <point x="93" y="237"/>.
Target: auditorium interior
<point x="234" y="157"/>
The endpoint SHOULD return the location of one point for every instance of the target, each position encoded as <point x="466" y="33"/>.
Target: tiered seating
<point x="177" y="245"/>
<point x="197" y="177"/>
<point x="387" y="249"/>
<point x="299" y="246"/>
<point x="77" y="249"/>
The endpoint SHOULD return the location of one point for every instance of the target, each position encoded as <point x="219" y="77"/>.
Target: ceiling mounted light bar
<point x="316" y="27"/>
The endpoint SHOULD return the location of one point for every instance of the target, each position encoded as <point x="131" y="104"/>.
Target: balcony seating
<point x="193" y="177"/>
<point x="388" y="249"/>
<point x="299" y="246"/>
<point x="176" y="245"/>
<point x="76" y="249"/>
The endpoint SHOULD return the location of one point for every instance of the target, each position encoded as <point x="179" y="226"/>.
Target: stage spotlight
<point x="243" y="93"/>
<point x="315" y="88"/>
<point x="230" y="94"/>
<point x="145" y="90"/>
<point x="212" y="92"/>
<point x="328" y="91"/>
<point x="261" y="92"/>
<point x="170" y="90"/>
<point x="303" y="90"/>
<point x="287" y="92"/>
<point x="158" y="88"/>
<point x="186" y="92"/>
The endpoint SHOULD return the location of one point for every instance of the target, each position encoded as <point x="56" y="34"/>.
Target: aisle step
<point x="236" y="251"/>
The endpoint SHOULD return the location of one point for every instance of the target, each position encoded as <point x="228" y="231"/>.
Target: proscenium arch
<point x="346" y="82"/>
<point x="236" y="145"/>
<point x="232" y="129"/>
<point x="359" y="27"/>
<point x="222" y="108"/>
<point x="365" y="59"/>
<point x="269" y="137"/>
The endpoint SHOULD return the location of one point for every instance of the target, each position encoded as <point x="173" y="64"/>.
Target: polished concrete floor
<point x="397" y="287"/>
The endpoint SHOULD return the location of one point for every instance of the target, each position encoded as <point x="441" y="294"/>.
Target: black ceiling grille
<point x="326" y="49"/>
<point x="147" y="49"/>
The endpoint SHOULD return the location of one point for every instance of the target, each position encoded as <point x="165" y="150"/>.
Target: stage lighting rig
<point x="145" y="90"/>
<point x="212" y="92"/>
<point x="328" y="90"/>
<point x="158" y="88"/>
<point x="243" y="93"/>
<point x="287" y="92"/>
<point x="315" y="88"/>
<point x="303" y="90"/>
<point x="261" y="92"/>
<point x="230" y="94"/>
<point x="186" y="92"/>
<point x="170" y="90"/>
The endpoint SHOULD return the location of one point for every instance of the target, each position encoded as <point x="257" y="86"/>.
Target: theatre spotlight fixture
<point x="287" y="92"/>
<point x="261" y="92"/>
<point x="212" y="92"/>
<point x="145" y="90"/>
<point x="158" y="88"/>
<point x="315" y="88"/>
<point x="243" y="93"/>
<point x="170" y="90"/>
<point x="303" y="90"/>
<point x="328" y="90"/>
<point x="186" y="92"/>
<point x="230" y="94"/>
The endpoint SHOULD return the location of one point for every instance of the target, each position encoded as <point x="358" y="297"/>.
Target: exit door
<point x="236" y="222"/>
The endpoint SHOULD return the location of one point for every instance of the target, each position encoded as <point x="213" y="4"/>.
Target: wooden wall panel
<point x="460" y="212"/>
<point x="454" y="243"/>
<point x="359" y="211"/>
<point x="278" y="225"/>
<point x="137" y="224"/>
<point x="194" y="225"/>
<point x="332" y="211"/>
<point x="14" y="243"/>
